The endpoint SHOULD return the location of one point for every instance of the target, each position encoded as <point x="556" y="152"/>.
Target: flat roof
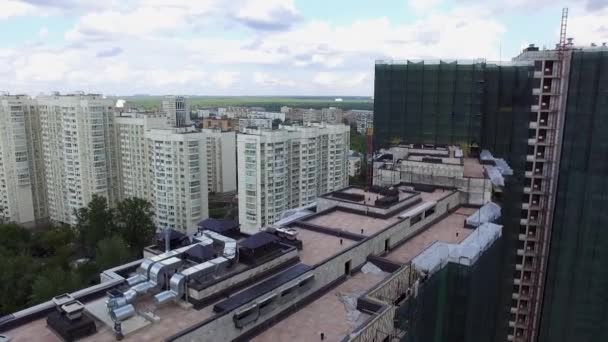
<point x="450" y="229"/>
<point x="327" y="314"/>
<point x="318" y="246"/>
<point x="369" y="197"/>
<point x="473" y="169"/>
<point x="173" y="319"/>
<point x="436" y="195"/>
<point x="351" y="222"/>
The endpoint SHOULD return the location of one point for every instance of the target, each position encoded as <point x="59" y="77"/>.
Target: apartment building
<point x="331" y="115"/>
<point x="78" y="149"/>
<point x="364" y="119"/>
<point x="221" y="160"/>
<point x="178" y="176"/>
<point x="22" y="185"/>
<point x="134" y="166"/>
<point x="288" y="168"/>
<point x="176" y="110"/>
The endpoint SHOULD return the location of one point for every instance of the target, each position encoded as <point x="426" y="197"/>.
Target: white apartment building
<point x="364" y="119"/>
<point x="177" y="111"/>
<point x="288" y="168"/>
<point x="221" y="160"/>
<point x="178" y="177"/>
<point x="134" y="166"/>
<point x="261" y="123"/>
<point x="22" y="186"/>
<point x="80" y="158"/>
<point x="331" y="115"/>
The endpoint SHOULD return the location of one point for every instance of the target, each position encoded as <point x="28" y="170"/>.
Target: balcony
<point x="532" y="141"/>
<point x="536" y="91"/>
<point x="533" y="125"/>
<point x="534" y="108"/>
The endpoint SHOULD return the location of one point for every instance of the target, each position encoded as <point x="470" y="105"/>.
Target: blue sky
<point x="262" y="47"/>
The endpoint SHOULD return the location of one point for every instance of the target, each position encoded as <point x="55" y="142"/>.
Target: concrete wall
<point x="222" y="327"/>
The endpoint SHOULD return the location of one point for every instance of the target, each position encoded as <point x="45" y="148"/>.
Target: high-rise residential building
<point x="134" y="166"/>
<point x="545" y="113"/>
<point x="80" y="158"/>
<point x="364" y="119"/>
<point x="22" y="185"/>
<point x="288" y="168"/>
<point x="221" y="160"/>
<point x="331" y="115"/>
<point x="177" y="111"/>
<point x="178" y="174"/>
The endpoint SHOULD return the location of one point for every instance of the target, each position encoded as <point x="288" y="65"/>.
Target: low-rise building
<point x="224" y="124"/>
<point x="354" y="164"/>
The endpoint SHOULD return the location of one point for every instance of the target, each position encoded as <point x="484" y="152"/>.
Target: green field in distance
<point x="269" y="103"/>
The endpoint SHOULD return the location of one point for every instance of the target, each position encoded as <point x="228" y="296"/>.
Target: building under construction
<point x="546" y="114"/>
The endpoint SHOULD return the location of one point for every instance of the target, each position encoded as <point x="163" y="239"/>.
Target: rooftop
<point x="352" y="222"/>
<point x="333" y="313"/>
<point x="319" y="246"/>
<point x="332" y="232"/>
<point x="449" y="229"/>
<point x="472" y="168"/>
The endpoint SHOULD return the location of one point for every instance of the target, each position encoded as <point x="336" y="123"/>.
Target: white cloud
<point x="43" y="32"/>
<point x="589" y="27"/>
<point x="12" y="8"/>
<point x="341" y="80"/>
<point x="423" y="5"/>
<point x="44" y="66"/>
<point x="265" y="79"/>
<point x="225" y="79"/>
<point x="267" y="14"/>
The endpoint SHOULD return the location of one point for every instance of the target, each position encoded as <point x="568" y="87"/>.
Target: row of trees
<point x="37" y="265"/>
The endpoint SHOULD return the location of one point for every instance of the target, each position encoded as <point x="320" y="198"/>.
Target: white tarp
<point x="486" y="155"/>
<point x="495" y="175"/>
<point x="503" y="167"/>
<point x="467" y="252"/>
<point x="487" y="213"/>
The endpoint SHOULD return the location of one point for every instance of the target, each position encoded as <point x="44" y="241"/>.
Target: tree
<point x="135" y="224"/>
<point x="52" y="282"/>
<point x="94" y="222"/>
<point x="14" y="239"/>
<point x="112" y="251"/>
<point x="16" y="275"/>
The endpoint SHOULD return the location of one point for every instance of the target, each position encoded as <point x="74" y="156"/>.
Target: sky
<point x="263" y="47"/>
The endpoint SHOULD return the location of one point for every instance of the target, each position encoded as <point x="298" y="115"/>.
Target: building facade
<point x="80" y="158"/>
<point x="177" y="111"/>
<point x="364" y="119"/>
<point x="134" y="167"/>
<point x="22" y="183"/>
<point x="221" y="160"/>
<point x="178" y="177"/>
<point x="545" y="114"/>
<point x="288" y="168"/>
